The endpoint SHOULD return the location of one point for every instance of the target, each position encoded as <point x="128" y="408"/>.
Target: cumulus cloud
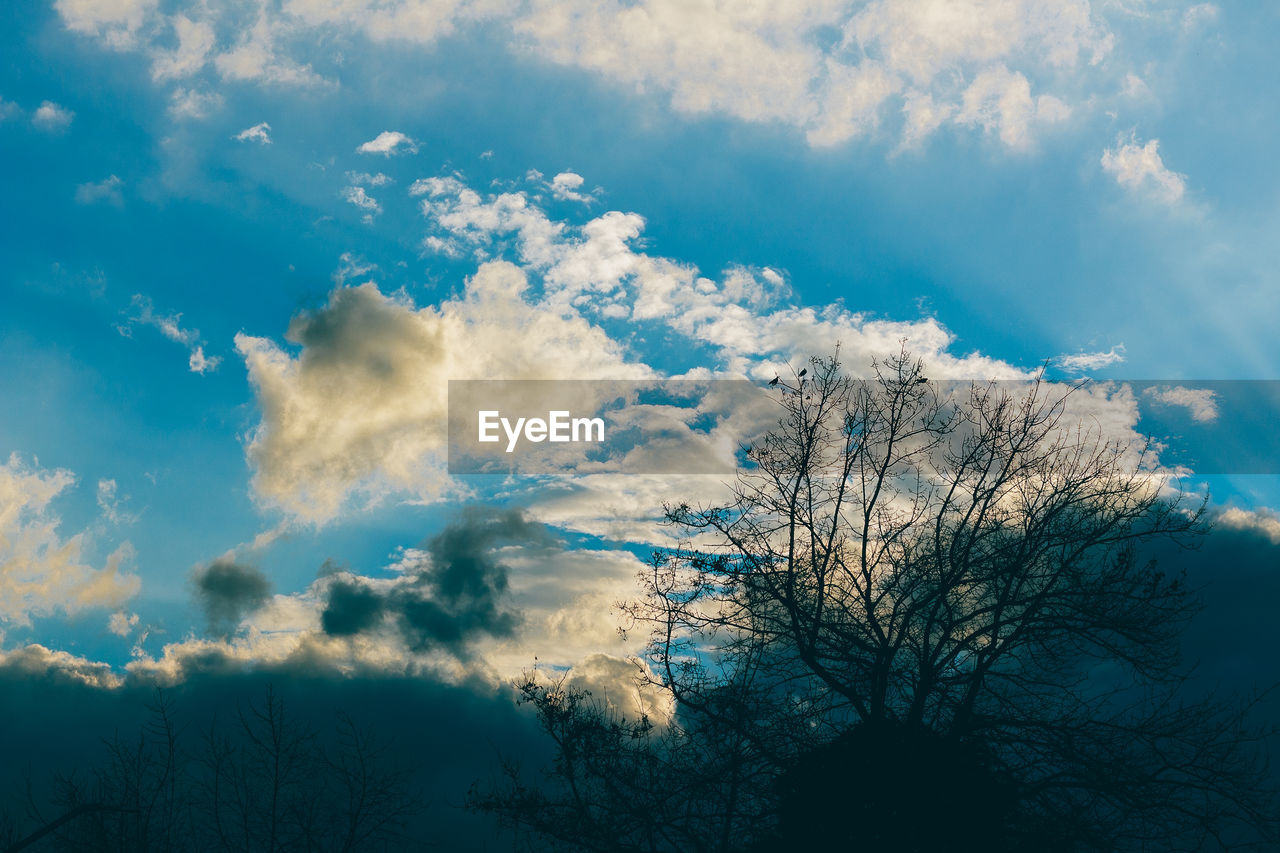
<point x="41" y="572"/>
<point x="52" y="117"/>
<point x="107" y="190"/>
<point x="35" y="661"/>
<point x="1200" y="403"/>
<point x="387" y="143"/>
<point x="170" y="325"/>
<point x="999" y="100"/>
<point x="1263" y="521"/>
<point x="260" y="133"/>
<point x="566" y="185"/>
<point x="625" y="686"/>
<point x="362" y="407"/>
<point x="227" y="592"/>
<point x="1141" y="168"/>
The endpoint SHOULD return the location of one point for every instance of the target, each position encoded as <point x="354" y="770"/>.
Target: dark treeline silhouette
<point x="263" y="779"/>
<point x="924" y="622"/>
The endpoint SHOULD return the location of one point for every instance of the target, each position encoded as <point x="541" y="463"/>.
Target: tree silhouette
<point x="265" y="782"/>
<point x="922" y="623"/>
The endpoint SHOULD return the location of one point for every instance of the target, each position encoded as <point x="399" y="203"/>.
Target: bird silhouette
<point x="803" y="371"/>
<point x="921" y="380"/>
<point x="773" y="381"/>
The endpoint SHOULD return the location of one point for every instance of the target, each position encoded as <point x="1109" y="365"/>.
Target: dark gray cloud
<point x="228" y="591"/>
<point x="1232" y="641"/>
<point x="351" y="607"/>
<point x="453" y="594"/>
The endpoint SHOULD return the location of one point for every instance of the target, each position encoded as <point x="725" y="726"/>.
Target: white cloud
<point x="565" y="186"/>
<point x="122" y="624"/>
<point x="922" y="115"/>
<point x="376" y="179"/>
<point x="41" y="572"/>
<point x="1135" y="87"/>
<point x="256" y="55"/>
<point x="387" y="143"/>
<point x="739" y="317"/>
<point x="116" y="22"/>
<point x="52" y="117"/>
<point x="107" y="497"/>
<point x="189" y="103"/>
<point x="1085" y="361"/>
<point x="108" y="190"/>
<point x="111" y="504"/>
<point x="260" y="133"/>
<point x="356" y="195"/>
<point x="1200" y="403"/>
<point x="623" y="685"/>
<point x="195" y="44"/>
<point x="1140" y="167"/>
<point x="198" y="362"/>
<point x="8" y="109"/>
<point x="829" y="68"/>
<point x="170" y="325"/>
<point x="1199" y="15"/>
<point x="775" y="63"/>
<point x="999" y="100"/>
<point x="351" y="267"/>
<point x="852" y="104"/>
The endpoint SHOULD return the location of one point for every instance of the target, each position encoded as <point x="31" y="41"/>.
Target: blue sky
<point x="1090" y="184"/>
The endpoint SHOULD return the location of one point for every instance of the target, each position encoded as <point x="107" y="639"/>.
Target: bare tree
<point x="917" y="594"/>
<point x="620" y="784"/>
<point x="267" y="782"/>
<point x="258" y="776"/>
<point x="136" y="800"/>
<point x="371" y="794"/>
<point x="272" y="785"/>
